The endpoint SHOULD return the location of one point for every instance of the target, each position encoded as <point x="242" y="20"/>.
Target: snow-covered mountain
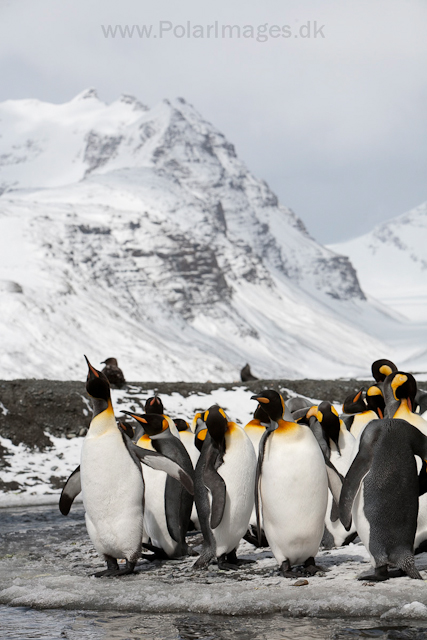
<point x="391" y="262"/>
<point x="138" y="233"/>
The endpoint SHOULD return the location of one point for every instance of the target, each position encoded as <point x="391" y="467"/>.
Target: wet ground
<point x="47" y="562"/>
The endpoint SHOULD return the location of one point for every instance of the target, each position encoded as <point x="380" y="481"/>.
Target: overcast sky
<point x="336" y="124"/>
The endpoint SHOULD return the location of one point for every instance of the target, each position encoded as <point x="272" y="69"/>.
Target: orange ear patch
<point x="385" y="370"/>
<point x="311" y="412"/>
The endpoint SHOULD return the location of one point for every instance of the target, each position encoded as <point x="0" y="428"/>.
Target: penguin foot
<point x="380" y="574"/>
<point x="286" y="570"/>
<point x="227" y="566"/>
<point x="253" y="539"/>
<point x="232" y="560"/>
<point x="113" y="569"/>
<point x="311" y="568"/>
<point x="159" y="554"/>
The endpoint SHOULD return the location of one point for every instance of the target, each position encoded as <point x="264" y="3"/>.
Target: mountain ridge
<point x="141" y="228"/>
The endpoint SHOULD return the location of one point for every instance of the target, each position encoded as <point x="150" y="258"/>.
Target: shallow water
<point x="27" y="624"/>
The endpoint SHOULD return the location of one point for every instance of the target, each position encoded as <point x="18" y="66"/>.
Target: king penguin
<point x="292" y="485"/>
<point x="381" y="369"/>
<point x="155" y="405"/>
<point x="357" y="413"/>
<point x="224" y="489"/>
<point x="399" y="392"/>
<point x="340" y="451"/>
<point x="168" y="505"/>
<point x="111" y="482"/>
<point x="380" y="491"/>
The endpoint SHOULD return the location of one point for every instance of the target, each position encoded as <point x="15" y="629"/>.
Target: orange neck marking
<point x="255" y="423"/>
<point x="284" y="425"/>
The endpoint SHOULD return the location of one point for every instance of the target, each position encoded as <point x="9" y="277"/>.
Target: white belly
<point x="112" y="490"/>
<point x="155" y="525"/>
<point x="294" y="493"/>
<point x="238" y="472"/>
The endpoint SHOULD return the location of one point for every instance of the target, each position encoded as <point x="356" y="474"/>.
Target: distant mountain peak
<point x="142" y="227"/>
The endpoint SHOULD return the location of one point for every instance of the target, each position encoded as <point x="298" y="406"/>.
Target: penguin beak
<point x="260" y="399"/>
<point x="136" y="417"/>
<point x="91" y="369"/>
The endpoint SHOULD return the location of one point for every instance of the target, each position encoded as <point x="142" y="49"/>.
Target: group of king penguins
<point x="295" y="477"/>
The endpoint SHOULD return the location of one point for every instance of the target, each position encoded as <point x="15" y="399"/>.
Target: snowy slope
<point x="138" y="233"/>
<point x="391" y="262"/>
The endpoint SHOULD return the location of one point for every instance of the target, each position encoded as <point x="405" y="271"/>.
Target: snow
<point x="33" y="469"/>
<point x="139" y="231"/>
<point x="391" y="262"/>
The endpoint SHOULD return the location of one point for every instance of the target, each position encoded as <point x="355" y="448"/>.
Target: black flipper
<point x="160" y="462"/>
<point x="358" y="470"/>
<point x="178" y="502"/>
<point x="335" y="481"/>
<point x="70" y="491"/>
<point x="319" y="434"/>
<point x="261" y="452"/>
<point x="216" y="485"/>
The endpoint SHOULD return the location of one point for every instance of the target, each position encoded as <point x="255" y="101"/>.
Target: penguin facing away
<point x="381" y="369"/>
<point x="224" y="489"/>
<point x="381" y="492"/>
<point x="155" y="405"/>
<point x="167" y="504"/>
<point x="399" y="392"/>
<point x="111" y="482"/>
<point x="293" y="488"/>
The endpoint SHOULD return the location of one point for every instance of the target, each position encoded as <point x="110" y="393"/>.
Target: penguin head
<point x="110" y="361"/>
<point x="303" y="415"/>
<point x="375" y="400"/>
<point x="354" y="403"/>
<point x="261" y="415"/>
<point x="272" y="403"/>
<point x="403" y="386"/>
<point x="126" y="428"/>
<point x="181" y="424"/>
<point x="154" y="405"/>
<point x="153" y="423"/>
<point x="328" y="417"/>
<point x="382" y="368"/>
<point x="200" y="430"/>
<point x="216" y="422"/>
<point x="97" y="384"/>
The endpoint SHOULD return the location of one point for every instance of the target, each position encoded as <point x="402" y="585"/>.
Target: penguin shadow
<point x="331" y="560"/>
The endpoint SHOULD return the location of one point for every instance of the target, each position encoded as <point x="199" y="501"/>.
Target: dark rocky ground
<point x="34" y="408"/>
